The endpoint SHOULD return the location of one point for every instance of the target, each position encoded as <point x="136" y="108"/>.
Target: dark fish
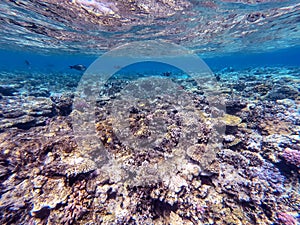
<point x="27" y="63"/>
<point x="78" y="67"/>
<point x="167" y="74"/>
<point x="218" y="77"/>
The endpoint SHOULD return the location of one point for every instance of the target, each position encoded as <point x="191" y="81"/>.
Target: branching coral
<point x="77" y="203"/>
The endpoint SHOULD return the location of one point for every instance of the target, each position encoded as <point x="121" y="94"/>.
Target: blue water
<point x="15" y="60"/>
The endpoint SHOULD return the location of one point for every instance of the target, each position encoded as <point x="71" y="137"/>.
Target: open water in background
<point x="16" y="60"/>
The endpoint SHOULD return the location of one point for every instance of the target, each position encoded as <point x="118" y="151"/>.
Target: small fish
<point x="78" y="67"/>
<point x="27" y="62"/>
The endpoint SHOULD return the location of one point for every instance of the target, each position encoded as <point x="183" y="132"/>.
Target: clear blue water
<point x="15" y="60"/>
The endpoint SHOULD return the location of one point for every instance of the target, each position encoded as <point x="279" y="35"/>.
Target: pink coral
<point x="286" y="219"/>
<point x="292" y="156"/>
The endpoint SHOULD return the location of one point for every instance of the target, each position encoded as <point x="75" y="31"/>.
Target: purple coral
<point x="269" y="173"/>
<point x="292" y="156"/>
<point x="286" y="219"/>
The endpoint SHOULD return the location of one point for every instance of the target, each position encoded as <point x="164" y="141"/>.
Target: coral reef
<point x="168" y="167"/>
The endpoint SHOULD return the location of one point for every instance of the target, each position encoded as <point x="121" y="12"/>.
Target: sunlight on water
<point x="95" y="26"/>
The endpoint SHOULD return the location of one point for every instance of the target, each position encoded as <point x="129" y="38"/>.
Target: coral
<point x="233" y="158"/>
<point x="292" y="156"/>
<point x="276" y="127"/>
<point x="231" y="140"/>
<point x="232" y="181"/>
<point x="231" y="120"/>
<point x="77" y="204"/>
<point x="271" y="174"/>
<point x="78" y="165"/>
<point x="185" y="177"/>
<point x="286" y="219"/>
<point x="205" y="156"/>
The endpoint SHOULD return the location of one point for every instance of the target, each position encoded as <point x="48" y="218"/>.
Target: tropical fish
<point x="78" y="67"/>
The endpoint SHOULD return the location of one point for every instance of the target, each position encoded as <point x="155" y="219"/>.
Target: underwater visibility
<point x="150" y="112"/>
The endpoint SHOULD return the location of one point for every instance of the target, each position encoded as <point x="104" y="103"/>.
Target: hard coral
<point x="286" y="219"/>
<point x="77" y="204"/>
<point x="292" y="156"/>
<point x="231" y="120"/>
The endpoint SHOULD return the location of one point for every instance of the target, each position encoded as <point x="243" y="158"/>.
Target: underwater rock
<point x="43" y="92"/>
<point x="39" y="106"/>
<point x="253" y="17"/>
<point x="282" y="92"/>
<point x="7" y="90"/>
<point x="52" y="193"/>
<point x="18" y="197"/>
<point x="13" y="113"/>
<point x="23" y="122"/>
<point x="25" y="112"/>
<point x="63" y="104"/>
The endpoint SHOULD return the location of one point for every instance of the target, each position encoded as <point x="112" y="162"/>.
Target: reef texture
<point x="250" y="177"/>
